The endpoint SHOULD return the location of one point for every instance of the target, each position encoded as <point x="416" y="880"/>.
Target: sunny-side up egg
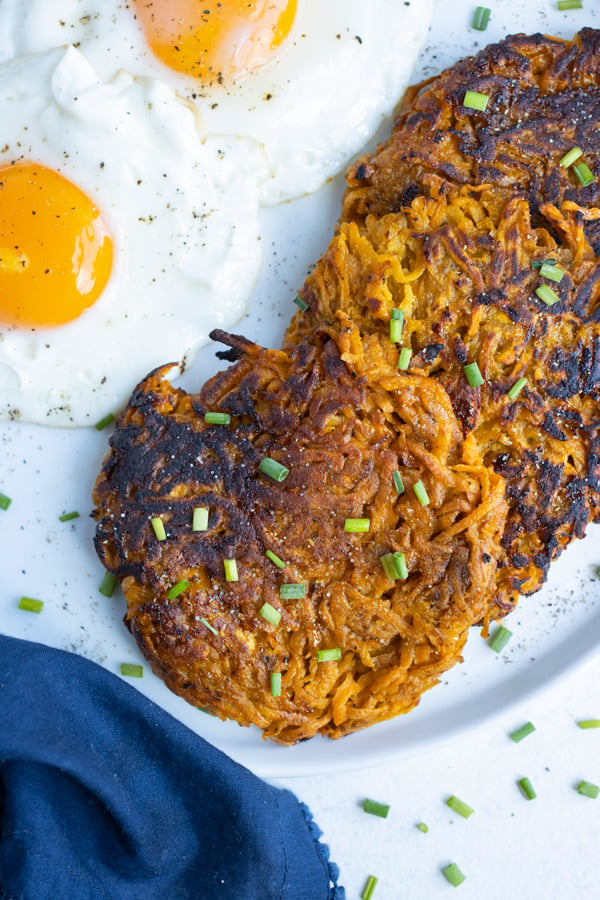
<point x="126" y="235"/>
<point x="310" y="79"/>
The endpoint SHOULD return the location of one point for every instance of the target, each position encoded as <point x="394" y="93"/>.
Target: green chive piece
<point x="354" y="526"/>
<point x="270" y="614"/>
<point x="475" y="100"/>
<point x="369" y="888"/>
<point x="481" y="17"/>
<point x="423" y="827"/>
<point x="178" y="589"/>
<point x="217" y="418"/>
<point x="131" y="670"/>
<point x="331" y="655"/>
<point x="547" y="295"/>
<point x="522" y="732"/>
<point x="500" y="639"/>
<point x="421" y="493"/>
<point x="516" y="389"/>
<point x="527" y="788"/>
<point x="273" y="469"/>
<point x="200" y="518"/>
<point x="31" y="605"/>
<point x="404" y="358"/>
<point x="275" y="684"/>
<point x="292" y="591"/>
<point x="104" y="422"/>
<point x="569" y="4"/>
<point x="209" y="626"/>
<point x="159" y="528"/>
<point x="107" y="585"/>
<point x="275" y="559"/>
<point x="398" y="483"/>
<point x="387" y="561"/>
<point x="589" y="723"/>
<point x="474" y="376"/>
<point x="570" y="157"/>
<point x="67" y="517"/>
<point x="460" y="807"/>
<point x="587" y="789"/>
<point x="231" y="572"/>
<point x="538" y="263"/>
<point x="396" y="326"/>
<point x="4" y="501"/>
<point x="300" y="303"/>
<point x="453" y="874"/>
<point x="554" y="273"/>
<point x="400" y="567"/>
<point x="376" y="809"/>
<point x="583" y="173"/>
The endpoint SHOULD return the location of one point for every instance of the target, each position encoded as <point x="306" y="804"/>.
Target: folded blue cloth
<point x="104" y="796"/>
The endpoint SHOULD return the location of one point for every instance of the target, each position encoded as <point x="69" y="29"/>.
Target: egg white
<point x="314" y="107"/>
<point x="182" y="208"/>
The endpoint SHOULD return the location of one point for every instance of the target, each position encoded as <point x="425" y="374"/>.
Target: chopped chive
<point x="583" y="173"/>
<point x="398" y="483"/>
<point x="354" y="526"/>
<point x="423" y="827"/>
<point x="404" y="358"/>
<point x="474" y="376"/>
<point x="570" y="157"/>
<point x="200" y="518"/>
<point x="369" y="888"/>
<point x="538" y="263"/>
<point x="396" y="325"/>
<point x="399" y="561"/>
<point x="292" y="591"/>
<point x="589" y="723"/>
<point x="545" y="293"/>
<point x="132" y="670"/>
<point x="522" y="732"/>
<point x="587" y="789"/>
<point x="106" y="420"/>
<point x="5" y="501"/>
<point x="500" y="639"/>
<point x="275" y="684"/>
<point x="66" y="517"/>
<point x="569" y="4"/>
<point x="527" y="788"/>
<point x="331" y="655"/>
<point x="275" y="559"/>
<point x="453" y="874"/>
<point x="475" y="100"/>
<point x="300" y="303"/>
<point x="273" y="469"/>
<point x="421" y="493"/>
<point x="481" y="17"/>
<point x="376" y="809"/>
<point x="231" y="572"/>
<point x="178" y="589"/>
<point x="209" y="626"/>
<point x="31" y="605"/>
<point x="387" y="561"/>
<point x="270" y="614"/>
<point x="107" y="585"/>
<point x="159" y="528"/>
<point x="217" y="418"/>
<point x="554" y="273"/>
<point x="460" y="807"/>
<point x="516" y="389"/>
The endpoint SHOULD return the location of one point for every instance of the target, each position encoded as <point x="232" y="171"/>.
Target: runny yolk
<point x="216" y="41"/>
<point x="55" y="250"/>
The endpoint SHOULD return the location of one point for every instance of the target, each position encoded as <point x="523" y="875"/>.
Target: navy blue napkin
<point x="104" y="795"/>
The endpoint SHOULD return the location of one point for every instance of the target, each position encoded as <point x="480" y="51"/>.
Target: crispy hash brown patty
<point x="341" y="438"/>
<point x="450" y="222"/>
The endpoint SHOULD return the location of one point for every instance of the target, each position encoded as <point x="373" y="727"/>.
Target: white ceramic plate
<point x="48" y="472"/>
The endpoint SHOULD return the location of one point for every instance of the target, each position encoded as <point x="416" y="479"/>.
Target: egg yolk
<point x="55" y="250"/>
<point x="211" y="41"/>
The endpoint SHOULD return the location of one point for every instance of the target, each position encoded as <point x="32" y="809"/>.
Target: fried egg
<point x="311" y="80"/>
<point x="126" y="235"/>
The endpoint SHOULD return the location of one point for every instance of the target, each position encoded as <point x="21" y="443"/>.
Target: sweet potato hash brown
<point x="255" y="648"/>
<point x="479" y="220"/>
